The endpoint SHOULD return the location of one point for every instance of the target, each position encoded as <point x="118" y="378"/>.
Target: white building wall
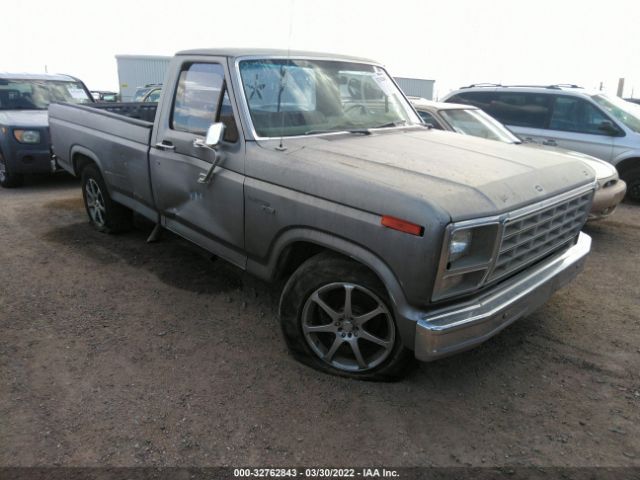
<point x="138" y="70"/>
<point x="416" y="87"/>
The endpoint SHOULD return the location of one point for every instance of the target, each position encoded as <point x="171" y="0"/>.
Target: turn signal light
<point x="402" y="225"/>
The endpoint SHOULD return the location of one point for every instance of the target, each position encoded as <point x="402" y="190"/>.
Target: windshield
<point x="38" y="94"/>
<point x="626" y="112"/>
<point x="296" y="97"/>
<point x="478" y="124"/>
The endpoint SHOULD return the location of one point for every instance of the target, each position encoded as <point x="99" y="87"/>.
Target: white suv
<point x="568" y="117"/>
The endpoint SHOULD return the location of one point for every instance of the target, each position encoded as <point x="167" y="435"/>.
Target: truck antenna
<point x="281" y="147"/>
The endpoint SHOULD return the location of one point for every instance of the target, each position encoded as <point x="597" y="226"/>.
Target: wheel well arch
<point x="80" y="158"/>
<point x="298" y="245"/>
<point x="295" y="254"/>
<point x="627" y="164"/>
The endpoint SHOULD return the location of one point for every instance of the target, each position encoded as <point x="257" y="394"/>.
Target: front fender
<point x="348" y="248"/>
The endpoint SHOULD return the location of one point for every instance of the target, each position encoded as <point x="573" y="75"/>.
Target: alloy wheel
<point x="348" y="326"/>
<point x="95" y="202"/>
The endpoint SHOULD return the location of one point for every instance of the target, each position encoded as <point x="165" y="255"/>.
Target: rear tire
<point x="336" y="317"/>
<point x="104" y="214"/>
<point x="632" y="178"/>
<point x="8" y="179"/>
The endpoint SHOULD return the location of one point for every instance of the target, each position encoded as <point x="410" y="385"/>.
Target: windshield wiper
<point x="355" y="131"/>
<point x="398" y="123"/>
<point x="358" y="131"/>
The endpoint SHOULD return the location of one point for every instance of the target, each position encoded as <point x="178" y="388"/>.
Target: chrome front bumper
<point x="460" y="327"/>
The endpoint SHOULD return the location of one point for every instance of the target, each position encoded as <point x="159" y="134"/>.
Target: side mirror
<point x="608" y="128"/>
<point x="212" y="139"/>
<point x="214" y="135"/>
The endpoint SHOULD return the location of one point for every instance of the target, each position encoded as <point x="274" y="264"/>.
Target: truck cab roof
<point x="268" y="52"/>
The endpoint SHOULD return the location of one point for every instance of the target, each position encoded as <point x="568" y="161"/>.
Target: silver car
<point x="568" y="117"/>
<point x="470" y="120"/>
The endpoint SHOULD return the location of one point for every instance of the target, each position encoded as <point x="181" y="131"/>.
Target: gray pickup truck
<point x="394" y="240"/>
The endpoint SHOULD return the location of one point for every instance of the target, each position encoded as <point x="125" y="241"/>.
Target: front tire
<point x="632" y="179"/>
<point x="8" y="179"/>
<point x="104" y="214"/>
<point x="336" y="317"/>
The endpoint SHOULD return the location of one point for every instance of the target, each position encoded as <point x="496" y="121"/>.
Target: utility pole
<point x="46" y="69"/>
<point x="620" y="86"/>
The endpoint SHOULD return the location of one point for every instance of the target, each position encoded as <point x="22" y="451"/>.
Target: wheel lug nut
<point x="344" y="335"/>
<point x="337" y="324"/>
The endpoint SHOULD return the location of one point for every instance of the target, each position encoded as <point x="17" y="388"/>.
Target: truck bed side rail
<point x="139" y="110"/>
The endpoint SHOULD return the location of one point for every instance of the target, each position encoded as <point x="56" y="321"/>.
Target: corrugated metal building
<point x="416" y="87"/>
<point x="138" y="70"/>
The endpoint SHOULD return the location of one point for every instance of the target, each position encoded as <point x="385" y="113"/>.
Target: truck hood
<point x="462" y="176"/>
<point x="602" y="169"/>
<point x="24" y="118"/>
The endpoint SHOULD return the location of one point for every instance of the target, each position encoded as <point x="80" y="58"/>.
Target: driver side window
<point x="197" y="96"/>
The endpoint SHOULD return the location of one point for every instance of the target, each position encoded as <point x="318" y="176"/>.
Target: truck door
<point x="209" y="214"/>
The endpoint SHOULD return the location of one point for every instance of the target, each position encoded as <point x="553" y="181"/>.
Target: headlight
<point x="27" y="136"/>
<point x="467" y="254"/>
<point x="459" y="245"/>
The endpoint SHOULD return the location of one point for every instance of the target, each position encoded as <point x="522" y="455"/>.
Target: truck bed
<point x="116" y="137"/>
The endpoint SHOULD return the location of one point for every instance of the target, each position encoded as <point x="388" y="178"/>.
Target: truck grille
<point x="532" y="236"/>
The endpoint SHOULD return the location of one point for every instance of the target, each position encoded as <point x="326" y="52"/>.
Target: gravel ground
<point x="115" y="352"/>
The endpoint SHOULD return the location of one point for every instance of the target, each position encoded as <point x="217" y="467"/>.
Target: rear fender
<point x="76" y="155"/>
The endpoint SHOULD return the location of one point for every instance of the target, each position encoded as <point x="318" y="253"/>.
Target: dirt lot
<point x="115" y="352"/>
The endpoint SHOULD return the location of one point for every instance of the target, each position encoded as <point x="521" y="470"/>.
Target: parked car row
<point x="470" y="120"/>
<point x="394" y="240"/>
<point x="567" y="117"/>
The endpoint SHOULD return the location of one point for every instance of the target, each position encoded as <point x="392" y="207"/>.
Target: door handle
<point x="528" y="140"/>
<point x="550" y="142"/>
<point x="164" y="145"/>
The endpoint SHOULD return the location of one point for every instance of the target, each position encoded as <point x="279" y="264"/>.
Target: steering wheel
<point x="350" y="108"/>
